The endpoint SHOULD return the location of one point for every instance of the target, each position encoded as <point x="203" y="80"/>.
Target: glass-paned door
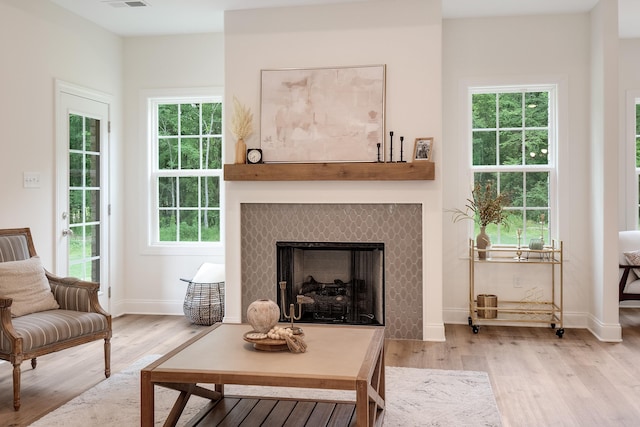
<point x="82" y="190"/>
<point x="84" y="197"/>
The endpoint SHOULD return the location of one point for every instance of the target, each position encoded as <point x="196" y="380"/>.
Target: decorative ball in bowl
<point x="263" y="314"/>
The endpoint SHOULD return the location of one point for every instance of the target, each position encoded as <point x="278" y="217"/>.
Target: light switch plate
<point x="31" y="180"/>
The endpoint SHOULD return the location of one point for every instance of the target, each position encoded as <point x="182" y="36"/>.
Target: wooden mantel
<point x="415" y="171"/>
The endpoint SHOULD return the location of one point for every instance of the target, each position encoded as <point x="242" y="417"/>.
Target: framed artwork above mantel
<point x="322" y="115"/>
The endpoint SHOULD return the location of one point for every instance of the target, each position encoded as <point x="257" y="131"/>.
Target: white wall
<point x="39" y="43"/>
<point x="516" y="50"/>
<point x="152" y="65"/>
<point x="406" y="36"/>
<point x="603" y="318"/>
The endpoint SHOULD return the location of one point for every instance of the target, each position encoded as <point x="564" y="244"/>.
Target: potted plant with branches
<point x="485" y="206"/>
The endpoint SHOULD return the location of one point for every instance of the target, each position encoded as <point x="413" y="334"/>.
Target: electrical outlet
<point x="516" y="282"/>
<point x="31" y="180"/>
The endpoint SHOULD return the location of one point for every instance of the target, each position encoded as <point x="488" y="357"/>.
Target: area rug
<point x="415" y="397"/>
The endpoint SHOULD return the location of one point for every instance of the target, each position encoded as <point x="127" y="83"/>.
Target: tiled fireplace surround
<point x="398" y="226"/>
<point x="405" y="215"/>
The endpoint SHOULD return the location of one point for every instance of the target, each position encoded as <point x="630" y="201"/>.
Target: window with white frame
<point x="186" y="170"/>
<point x="637" y="165"/>
<point x="513" y="149"/>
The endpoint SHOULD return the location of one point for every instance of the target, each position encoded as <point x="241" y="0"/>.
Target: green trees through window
<point x="188" y="170"/>
<point x="512" y="145"/>
<point x="637" y="133"/>
<point x="84" y="197"/>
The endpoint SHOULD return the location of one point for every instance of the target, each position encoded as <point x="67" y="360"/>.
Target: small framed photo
<point x="423" y="149"/>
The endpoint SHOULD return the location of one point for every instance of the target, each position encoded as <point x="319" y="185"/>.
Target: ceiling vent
<point x="121" y="3"/>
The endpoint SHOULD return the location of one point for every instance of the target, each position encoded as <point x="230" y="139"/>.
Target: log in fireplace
<point x="332" y="282"/>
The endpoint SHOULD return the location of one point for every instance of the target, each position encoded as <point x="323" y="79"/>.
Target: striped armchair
<point x="79" y="320"/>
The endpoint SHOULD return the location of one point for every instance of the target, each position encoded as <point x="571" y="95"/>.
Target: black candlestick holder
<point x="391" y="147"/>
<point x="401" y="149"/>
<point x="378" y="144"/>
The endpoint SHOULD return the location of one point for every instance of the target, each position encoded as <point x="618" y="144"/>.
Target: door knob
<point x="67" y="232"/>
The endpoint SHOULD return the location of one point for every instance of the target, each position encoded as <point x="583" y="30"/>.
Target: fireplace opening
<point x="332" y="282"/>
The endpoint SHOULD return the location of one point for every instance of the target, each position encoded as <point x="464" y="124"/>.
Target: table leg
<point x="147" y="403"/>
<point x="362" y="404"/>
<point x="370" y="394"/>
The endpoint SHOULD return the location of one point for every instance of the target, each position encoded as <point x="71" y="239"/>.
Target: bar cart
<point x="539" y="310"/>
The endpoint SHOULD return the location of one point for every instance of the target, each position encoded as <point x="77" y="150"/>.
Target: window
<point x="513" y="145"/>
<point x="85" y="149"/>
<point x="186" y="170"/>
<point x="637" y="168"/>
<point x="630" y="172"/>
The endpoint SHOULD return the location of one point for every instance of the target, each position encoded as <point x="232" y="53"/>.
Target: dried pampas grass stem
<point x="241" y="121"/>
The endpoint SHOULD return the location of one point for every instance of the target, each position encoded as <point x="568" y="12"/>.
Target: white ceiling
<point x="201" y="16"/>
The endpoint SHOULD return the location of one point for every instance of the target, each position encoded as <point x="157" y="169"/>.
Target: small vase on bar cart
<point x="483" y="243"/>
<point x="486" y="206"/>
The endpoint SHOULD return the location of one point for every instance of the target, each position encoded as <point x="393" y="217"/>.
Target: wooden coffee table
<point x="338" y="357"/>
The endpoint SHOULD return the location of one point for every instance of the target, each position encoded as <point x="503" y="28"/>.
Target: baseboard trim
<point x="433" y="332"/>
<point x="607" y="332"/>
<point x="157" y="307"/>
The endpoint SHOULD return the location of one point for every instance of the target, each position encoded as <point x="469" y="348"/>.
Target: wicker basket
<point x="204" y="303"/>
<point x="484" y="301"/>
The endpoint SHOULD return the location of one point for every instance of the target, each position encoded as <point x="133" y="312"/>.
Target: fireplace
<point x="332" y="282"/>
<point x="397" y="225"/>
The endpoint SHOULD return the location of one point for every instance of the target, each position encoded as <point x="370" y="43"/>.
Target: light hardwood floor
<point x="538" y="379"/>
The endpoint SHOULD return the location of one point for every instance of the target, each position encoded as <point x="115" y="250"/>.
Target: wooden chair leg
<point x="16" y="386"/>
<point x="107" y="357"/>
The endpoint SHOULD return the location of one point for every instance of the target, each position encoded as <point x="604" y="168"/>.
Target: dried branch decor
<point x="241" y="121"/>
<point x="484" y="206"/>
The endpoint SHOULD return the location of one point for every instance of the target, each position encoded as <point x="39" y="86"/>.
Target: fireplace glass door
<point x="332" y="282"/>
